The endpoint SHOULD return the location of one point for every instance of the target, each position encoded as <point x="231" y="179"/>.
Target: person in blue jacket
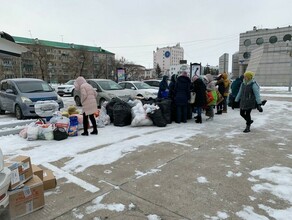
<point x="249" y="97"/>
<point x="163" y="88"/>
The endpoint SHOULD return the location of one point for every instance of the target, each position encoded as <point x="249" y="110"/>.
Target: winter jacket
<point x="236" y="85"/>
<point x="88" y="95"/>
<point x="182" y="90"/>
<point x="221" y="87"/>
<point x="163" y="88"/>
<point x="199" y="87"/>
<point x="249" y="95"/>
<point x="171" y="87"/>
<point x="226" y="83"/>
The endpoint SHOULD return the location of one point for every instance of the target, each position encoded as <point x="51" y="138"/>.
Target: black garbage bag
<point x="110" y="107"/>
<point x="149" y="101"/>
<point x="157" y="118"/>
<point x="60" y="134"/>
<point x="122" y="114"/>
<point x="165" y="106"/>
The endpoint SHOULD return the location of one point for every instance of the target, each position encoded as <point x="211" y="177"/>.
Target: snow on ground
<point x="112" y="143"/>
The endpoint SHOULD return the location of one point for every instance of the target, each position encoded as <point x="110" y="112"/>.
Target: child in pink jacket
<point x="89" y="105"/>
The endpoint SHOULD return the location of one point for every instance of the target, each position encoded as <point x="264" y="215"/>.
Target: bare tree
<point x="40" y="52"/>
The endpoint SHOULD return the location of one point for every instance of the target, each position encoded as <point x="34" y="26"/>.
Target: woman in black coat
<point x="199" y="87"/>
<point x="182" y="96"/>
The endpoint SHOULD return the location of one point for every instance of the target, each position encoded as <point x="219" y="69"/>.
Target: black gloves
<point x="259" y="108"/>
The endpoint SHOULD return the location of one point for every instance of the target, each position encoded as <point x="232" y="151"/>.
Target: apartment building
<point x="167" y="56"/>
<point x="57" y="61"/>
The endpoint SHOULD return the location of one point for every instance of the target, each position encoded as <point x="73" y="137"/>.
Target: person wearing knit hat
<point x="249" y="97"/>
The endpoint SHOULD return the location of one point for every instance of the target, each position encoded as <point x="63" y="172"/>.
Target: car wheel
<point x="78" y="101"/>
<point x="139" y="95"/>
<point x="72" y="93"/>
<point x="18" y="112"/>
<point x="101" y="101"/>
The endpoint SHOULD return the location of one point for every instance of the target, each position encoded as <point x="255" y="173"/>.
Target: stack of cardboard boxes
<point x="28" y="182"/>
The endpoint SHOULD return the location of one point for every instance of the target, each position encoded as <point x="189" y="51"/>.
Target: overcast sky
<point x="133" y="29"/>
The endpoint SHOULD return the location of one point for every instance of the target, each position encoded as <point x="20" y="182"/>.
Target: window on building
<point x="273" y="39"/>
<point x="247" y="42"/>
<point x="259" y="41"/>
<point x="287" y="37"/>
<point x="246" y="55"/>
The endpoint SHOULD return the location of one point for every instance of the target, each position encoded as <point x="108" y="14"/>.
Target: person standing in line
<point x="221" y="90"/>
<point x="89" y="104"/>
<point x="249" y="97"/>
<point x="199" y="87"/>
<point x="181" y="97"/>
<point x="234" y="90"/>
<point x="163" y="88"/>
<point x="226" y="83"/>
<point x="171" y="96"/>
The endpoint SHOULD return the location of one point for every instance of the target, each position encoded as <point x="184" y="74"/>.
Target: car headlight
<point x="26" y="100"/>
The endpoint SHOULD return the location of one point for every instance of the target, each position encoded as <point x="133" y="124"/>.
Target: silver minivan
<point x="20" y="95"/>
<point x="106" y="90"/>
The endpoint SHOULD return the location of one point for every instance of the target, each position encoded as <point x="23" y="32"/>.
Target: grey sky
<point x="134" y="28"/>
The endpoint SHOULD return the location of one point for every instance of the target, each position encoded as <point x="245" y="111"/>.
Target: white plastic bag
<point x="32" y="133"/>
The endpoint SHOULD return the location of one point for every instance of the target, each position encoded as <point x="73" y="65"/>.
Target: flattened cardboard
<point x="21" y="170"/>
<point x="37" y="171"/>
<point x="49" y="180"/>
<point x="28" y="199"/>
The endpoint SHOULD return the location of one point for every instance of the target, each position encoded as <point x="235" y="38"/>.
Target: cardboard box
<point x="21" y="170"/>
<point x="37" y="171"/>
<point x="28" y="199"/>
<point x="49" y="180"/>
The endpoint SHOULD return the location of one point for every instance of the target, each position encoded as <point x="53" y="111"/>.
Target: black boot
<point x="247" y="129"/>
<point x="95" y="131"/>
<point x="199" y="119"/>
<point x="219" y="112"/>
<point x="85" y="133"/>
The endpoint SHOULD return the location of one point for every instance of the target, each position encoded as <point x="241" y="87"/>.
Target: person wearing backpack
<point x="249" y="96"/>
<point x="89" y="104"/>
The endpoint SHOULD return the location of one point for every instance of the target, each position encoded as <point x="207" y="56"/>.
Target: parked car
<point x="20" y="95"/>
<point x="66" y="89"/>
<point x="106" y="90"/>
<point x="153" y="82"/>
<point x="140" y="89"/>
<point x="5" y="179"/>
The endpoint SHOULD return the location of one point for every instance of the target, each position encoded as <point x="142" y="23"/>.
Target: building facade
<point x="223" y="63"/>
<point x="57" y="61"/>
<point x="267" y="52"/>
<point x="235" y="66"/>
<point x="167" y="56"/>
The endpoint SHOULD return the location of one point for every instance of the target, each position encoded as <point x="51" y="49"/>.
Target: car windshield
<point x="141" y="85"/>
<point x="70" y="82"/>
<point x="34" y="86"/>
<point x="109" y="85"/>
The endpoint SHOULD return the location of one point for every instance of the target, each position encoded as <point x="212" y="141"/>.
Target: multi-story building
<point x="57" y="61"/>
<point x="167" y="56"/>
<point x="267" y="52"/>
<point x="223" y="63"/>
<point x="235" y="66"/>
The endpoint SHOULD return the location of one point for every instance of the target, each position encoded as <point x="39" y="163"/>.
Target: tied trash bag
<point x="60" y="134"/>
<point x="110" y="107"/>
<point x="165" y="106"/>
<point x="122" y="114"/>
<point x="157" y="118"/>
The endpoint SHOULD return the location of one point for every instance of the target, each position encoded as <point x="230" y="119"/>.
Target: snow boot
<point x="199" y="120"/>
<point x="247" y="129"/>
<point x="94" y="132"/>
<point x="84" y="133"/>
<point x="219" y="112"/>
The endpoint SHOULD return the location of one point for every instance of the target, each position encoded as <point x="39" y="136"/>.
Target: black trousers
<point x="86" y="122"/>
<point x="246" y="115"/>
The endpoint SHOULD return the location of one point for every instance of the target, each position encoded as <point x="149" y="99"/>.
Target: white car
<point x="66" y="89"/>
<point x="140" y="89"/>
<point x="4" y="184"/>
<point x="106" y="90"/>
